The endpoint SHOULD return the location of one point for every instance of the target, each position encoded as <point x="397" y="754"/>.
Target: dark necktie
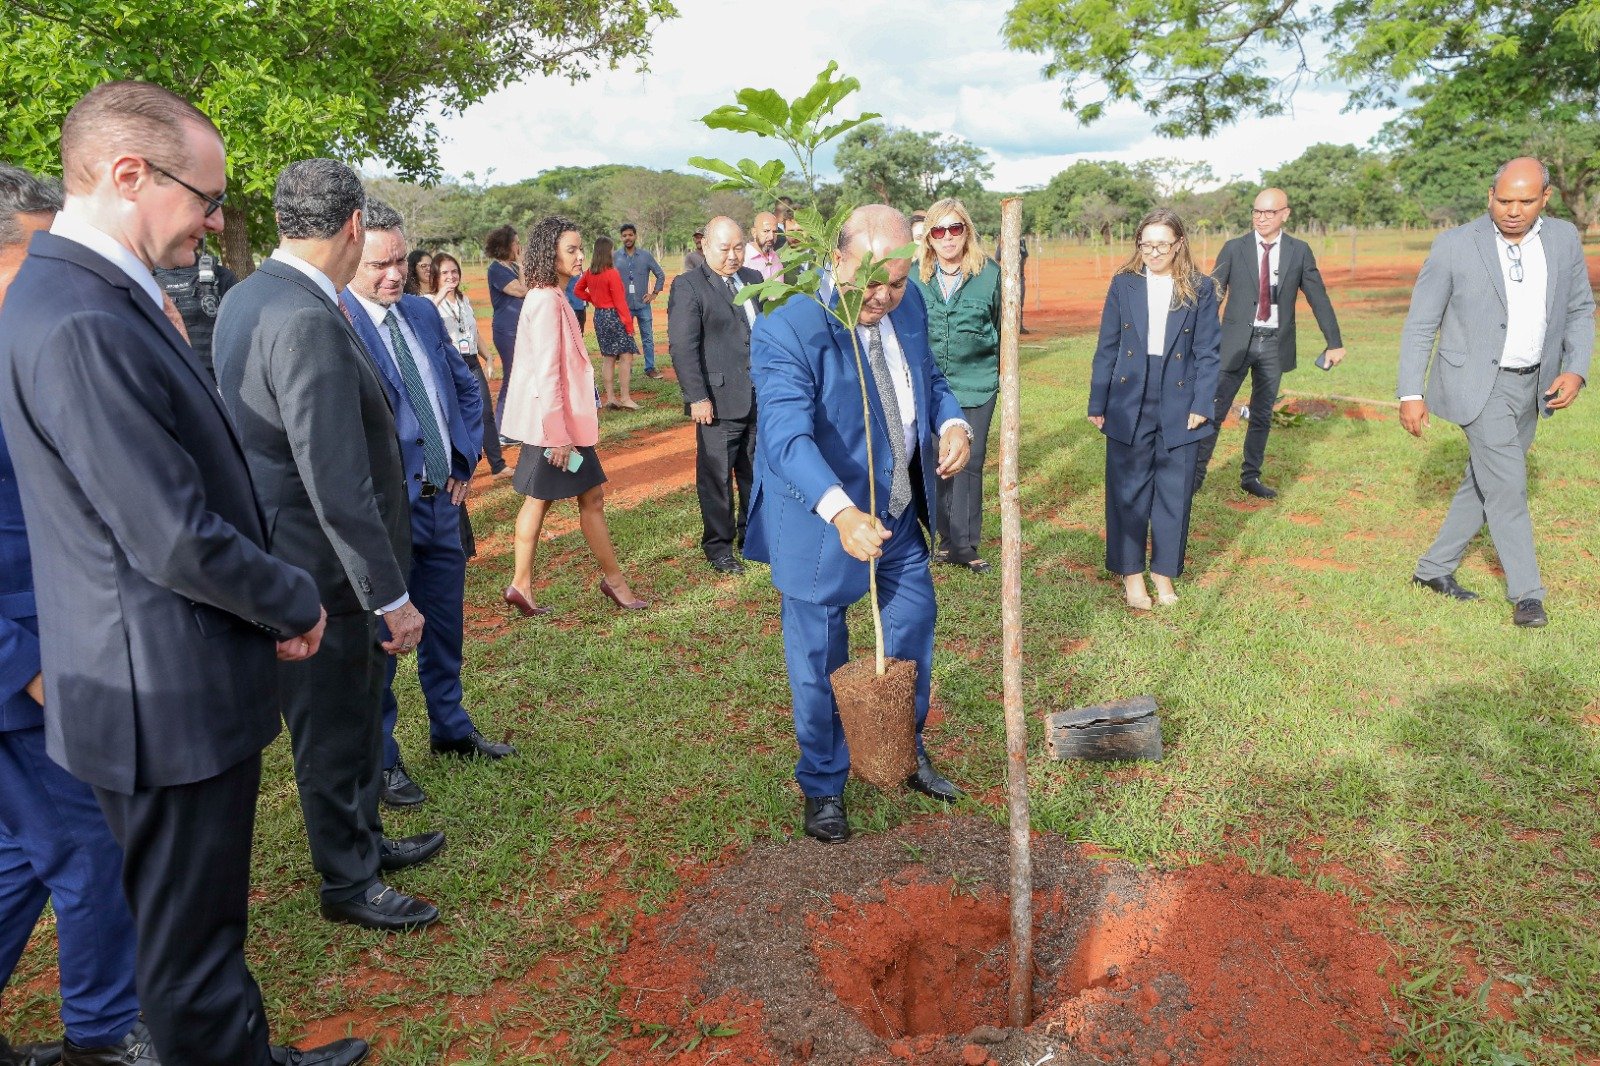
<point x="1264" y="298"/>
<point x="900" y="487"/>
<point x="435" y="459"/>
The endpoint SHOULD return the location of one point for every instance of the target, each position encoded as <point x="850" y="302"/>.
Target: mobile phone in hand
<point x="1322" y="361"/>
<point x="574" y="459"/>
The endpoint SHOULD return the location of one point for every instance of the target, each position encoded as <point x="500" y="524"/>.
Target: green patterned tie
<point x="435" y="459"/>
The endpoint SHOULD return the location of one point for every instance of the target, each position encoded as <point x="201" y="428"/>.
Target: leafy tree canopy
<point x="289" y="79"/>
<point x="907" y="169"/>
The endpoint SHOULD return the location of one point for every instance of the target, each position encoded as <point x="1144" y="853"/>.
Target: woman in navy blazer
<point x="1151" y="393"/>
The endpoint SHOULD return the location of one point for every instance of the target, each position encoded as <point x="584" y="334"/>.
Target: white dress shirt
<point x="377" y="312"/>
<point x="836" y="499"/>
<point x="1273" y="256"/>
<point x="325" y="283"/>
<point x="1526" y="317"/>
<point x="1158" y="295"/>
<point x="68" y="226"/>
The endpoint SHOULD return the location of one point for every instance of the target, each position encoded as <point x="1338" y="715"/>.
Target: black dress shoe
<point x="398" y="789"/>
<point x="409" y="851"/>
<point x="1256" y="488"/>
<point x="826" y="820"/>
<point x="472" y="746"/>
<point x="135" y="1049"/>
<point x="1445" y="586"/>
<point x="29" y="1054"/>
<point x="381" y="907"/>
<point x="346" y="1052"/>
<point x="1530" y="614"/>
<point x="931" y="783"/>
<point x="727" y="564"/>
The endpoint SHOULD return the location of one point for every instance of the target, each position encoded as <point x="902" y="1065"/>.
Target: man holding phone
<point x="1507" y="298"/>
<point x="1262" y="274"/>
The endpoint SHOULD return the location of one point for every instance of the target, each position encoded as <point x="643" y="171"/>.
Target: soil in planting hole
<point x="894" y="947"/>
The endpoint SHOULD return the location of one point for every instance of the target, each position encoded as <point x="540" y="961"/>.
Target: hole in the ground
<point x="929" y="959"/>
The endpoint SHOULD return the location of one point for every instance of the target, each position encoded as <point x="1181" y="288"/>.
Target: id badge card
<point x="630" y="288"/>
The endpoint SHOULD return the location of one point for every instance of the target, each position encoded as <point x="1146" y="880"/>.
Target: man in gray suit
<point x="320" y="440"/>
<point x="1263" y="273"/>
<point x="1507" y="298"/>
<point x="710" y="337"/>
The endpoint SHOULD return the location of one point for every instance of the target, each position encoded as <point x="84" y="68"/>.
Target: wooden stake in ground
<point x="1011" y="616"/>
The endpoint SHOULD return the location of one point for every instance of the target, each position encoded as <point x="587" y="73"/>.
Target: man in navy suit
<point x="438" y="421"/>
<point x="811" y="474"/>
<point x="54" y="843"/>
<point x="161" y="614"/>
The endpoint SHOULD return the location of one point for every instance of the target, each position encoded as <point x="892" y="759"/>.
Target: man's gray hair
<point x="314" y="198"/>
<point x="22" y="193"/>
<point x="872" y="219"/>
<point x="1544" y="172"/>
<point x="380" y="215"/>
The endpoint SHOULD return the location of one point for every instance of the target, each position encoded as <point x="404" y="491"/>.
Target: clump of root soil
<point x="895" y="948"/>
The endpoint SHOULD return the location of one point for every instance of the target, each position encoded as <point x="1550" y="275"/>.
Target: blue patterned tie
<point x="435" y="459"/>
<point x="878" y="361"/>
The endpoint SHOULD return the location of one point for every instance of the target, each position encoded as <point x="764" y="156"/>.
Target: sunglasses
<point x="1514" y="252"/>
<point x="213" y="203"/>
<point x="955" y="229"/>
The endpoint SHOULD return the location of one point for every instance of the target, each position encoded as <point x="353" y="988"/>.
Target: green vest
<point x="964" y="333"/>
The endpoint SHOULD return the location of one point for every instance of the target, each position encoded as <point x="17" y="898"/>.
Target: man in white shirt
<point x="810" y="516"/>
<point x="1507" y="299"/>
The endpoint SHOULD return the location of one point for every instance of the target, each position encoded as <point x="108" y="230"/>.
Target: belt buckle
<point x="429" y="491"/>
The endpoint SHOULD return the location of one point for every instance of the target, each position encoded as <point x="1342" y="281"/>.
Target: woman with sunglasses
<point x="1151" y="394"/>
<point x="961" y="287"/>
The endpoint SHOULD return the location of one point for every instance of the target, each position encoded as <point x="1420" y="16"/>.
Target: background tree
<point x="665" y="205"/>
<point x="285" y="81"/>
<point x="907" y="169"/>
<point x="1198" y="67"/>
<point x="1074" y="200"/>
<point x="1338" y="185"/>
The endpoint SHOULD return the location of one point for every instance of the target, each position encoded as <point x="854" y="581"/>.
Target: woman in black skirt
<point x="550" y="407"/>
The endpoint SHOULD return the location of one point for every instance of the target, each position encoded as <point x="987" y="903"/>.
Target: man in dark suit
<point x="54" y="844"/>
<point x="437" y="414"/>
<point x="1258" y="337"/>
<point x="811" y="474"/>
<point x="320" y="439"/>
<point x="160" y="609"/>
<point x="710" y="338"/>
<point x="1501" y="327"/>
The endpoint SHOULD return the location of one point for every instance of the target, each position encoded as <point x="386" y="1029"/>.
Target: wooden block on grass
<point x="1120" y="730"/>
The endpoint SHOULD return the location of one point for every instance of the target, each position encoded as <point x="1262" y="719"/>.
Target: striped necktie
<point x="435" y="459"/>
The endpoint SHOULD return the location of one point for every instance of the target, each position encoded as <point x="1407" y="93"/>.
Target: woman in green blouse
<point x="961" y="287"/>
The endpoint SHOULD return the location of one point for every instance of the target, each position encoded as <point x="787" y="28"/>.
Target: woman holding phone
<point x="1151" y="393"/>
<point x="550" y="406"/>
<point x="461" y="324"/>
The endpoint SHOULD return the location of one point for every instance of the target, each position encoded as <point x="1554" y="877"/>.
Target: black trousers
<point x="186" y="873"/>
<point x="1261" y="363"/>
<point x="959" y="499"/>
<point x="491" y="435"/>
<point x="724" y="451"/>
<point x="333" y="705"/>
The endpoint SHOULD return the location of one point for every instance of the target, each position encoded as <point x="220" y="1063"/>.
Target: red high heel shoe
<point x="514" y="598"/>
<point x="632" y="605"/>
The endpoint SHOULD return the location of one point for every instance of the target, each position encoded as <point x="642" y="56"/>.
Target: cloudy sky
<point x="945" y="74"/>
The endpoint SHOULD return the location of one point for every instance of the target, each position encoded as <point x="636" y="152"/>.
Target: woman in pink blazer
<point x="550" y="408"/>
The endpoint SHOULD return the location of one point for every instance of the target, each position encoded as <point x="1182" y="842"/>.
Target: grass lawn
<point x="1322" y="720"/>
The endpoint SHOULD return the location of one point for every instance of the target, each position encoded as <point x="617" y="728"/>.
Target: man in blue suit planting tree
<point x="437" y="417"/>
<point x="811" y="473"/>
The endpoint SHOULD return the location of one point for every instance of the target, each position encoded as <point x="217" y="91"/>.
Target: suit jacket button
<point x="416" y="477"/>
<point x="419" y="442"/>
<point x="1180" y="354"/>
<point x="1180" y="384"/>
<point x="1124" y="379"/>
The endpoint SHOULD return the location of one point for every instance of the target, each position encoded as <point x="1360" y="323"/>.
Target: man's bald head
<point x="1269" y="212"/>
<point x="723" y="246"/>
<point x="1520" y="191"/>
<point x="764" y="231"/>
<point x="876" y="230"/>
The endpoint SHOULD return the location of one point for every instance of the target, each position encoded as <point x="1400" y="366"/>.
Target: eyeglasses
<point x="1514" y="253"/>
<point x="213" y="203"/>
<point x="1267" y="212"/>
<point x="955" y="229"/>
<point x="1158" y="248"/>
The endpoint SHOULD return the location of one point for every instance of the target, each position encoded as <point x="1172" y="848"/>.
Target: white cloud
<point x="947" y="72"/>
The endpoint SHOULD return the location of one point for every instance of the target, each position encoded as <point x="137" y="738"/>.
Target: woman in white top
<point x="461" y="325"/>
<point x="1151" y="394"/>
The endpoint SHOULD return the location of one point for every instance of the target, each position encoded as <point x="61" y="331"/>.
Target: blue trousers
<point x="816" y="642"/>
<point x="647" y="334"/>
<point x="1149" y="487"/>
<point x="438" y="586"/>
<point x="505" y="345"/>
<point x="55" y="845"/>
